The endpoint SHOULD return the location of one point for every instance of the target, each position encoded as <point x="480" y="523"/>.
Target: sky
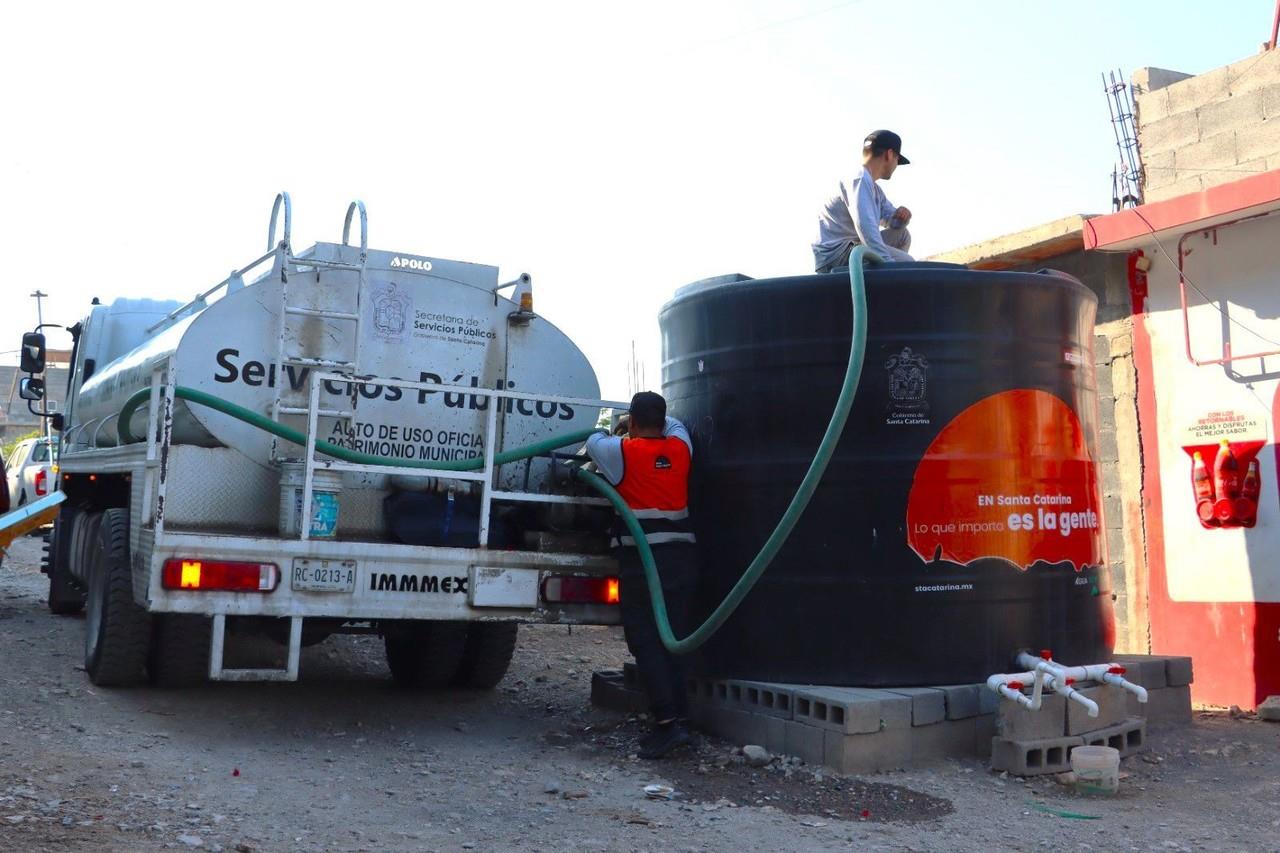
<point x="613" y="152"/>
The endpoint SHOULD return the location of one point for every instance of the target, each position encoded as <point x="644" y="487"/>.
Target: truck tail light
<point x="42" y="483"/>
<point x="219" y="575"/>
<point x="569" y="589"/>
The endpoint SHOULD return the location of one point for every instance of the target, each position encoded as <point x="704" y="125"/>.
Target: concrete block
<point x="719" y="689"/>
<point x="947" y="739"/>
<point x="804" y="741"/>
<point x="1015" y="722"/>
<point x="1112" y="482"/>
<point x="1102" y="375"/>
<point x="1172" y="133"/>
<point x="775" y="738"/>
<point x="1168" y="705"/>
<point x="868" y="753"/>
<point x="1150" y="106"/>
<point x="1235" y="113"/>
<point x="1195" y="92"/>
<point x="1256" y="166"/>
<point x="1115" y="541"/>
<point x="1145" y="670"/>
<point x="739" y="727"/>
<point x="1270" y="101"/>
<point x="962" y="700"/>
<point x="1152" y="191"/>
<point x="1124" y="382"/>
<point x="1147" y="80"/>
<point x="928" y="704"/>
<point x="1113" y="709"/>
<point x="1122" y="339"/>
<point x="1161" y="165"/>
<point x="1127" y="737"/>
<point x="851" y="710"/>
<point x="1261" y="139"/>
<point x="1101" y="349"/>
<point x="1178" y="671"/>
<point x="698" y="689"/>
<point x="1109" y="450"/>
<point x="1033" y="757"/>
<point x="760" y="697"/>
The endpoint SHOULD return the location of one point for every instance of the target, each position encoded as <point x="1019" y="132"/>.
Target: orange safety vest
<point x="655" y="485"/>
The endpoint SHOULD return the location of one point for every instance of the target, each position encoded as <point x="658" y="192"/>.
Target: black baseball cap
<point x="882" y="139"/>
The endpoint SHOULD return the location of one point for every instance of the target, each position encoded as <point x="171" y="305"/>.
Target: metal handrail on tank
<point x="201" y="297"/>
<point x="364" y="227"/>
<point x="281" y="197"/>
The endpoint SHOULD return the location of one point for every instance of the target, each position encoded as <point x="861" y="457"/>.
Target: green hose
<point x="857" y="352"/>
<point x="337" y="451"/>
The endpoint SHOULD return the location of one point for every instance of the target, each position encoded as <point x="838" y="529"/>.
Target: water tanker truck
<point x="416" y="407"/>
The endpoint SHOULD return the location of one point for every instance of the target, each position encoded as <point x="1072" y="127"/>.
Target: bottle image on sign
<point x="1226" y="483"/>
<point x="1202" y="485"/>
<point x="1250" y="489"/>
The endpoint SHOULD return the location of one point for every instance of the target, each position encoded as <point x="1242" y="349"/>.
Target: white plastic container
<point x="1097" y="769"/>
<point x="326" y="489"/>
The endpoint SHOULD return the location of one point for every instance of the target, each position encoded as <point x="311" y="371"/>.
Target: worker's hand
<point x="903" y="214"/>
<point x="623" y="426"/>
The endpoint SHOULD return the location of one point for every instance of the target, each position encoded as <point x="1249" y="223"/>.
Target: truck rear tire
<point x="487" y="654"/>
<point x="66" y="597"/>
<point x="179" y="649"/>
<point x="425" y="654"/>
<point x="117" y="630"/>
<point x="82" y="542"/>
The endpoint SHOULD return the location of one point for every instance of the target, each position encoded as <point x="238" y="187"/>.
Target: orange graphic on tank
<point x="1010" y="477"/>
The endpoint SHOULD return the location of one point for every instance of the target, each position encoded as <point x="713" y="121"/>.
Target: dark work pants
<point x="661" y="672"/>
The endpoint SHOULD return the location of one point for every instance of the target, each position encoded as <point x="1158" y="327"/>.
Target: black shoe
<point x="664" y="739"/>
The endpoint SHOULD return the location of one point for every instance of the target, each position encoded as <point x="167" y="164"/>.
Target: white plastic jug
<point x="1097" y="769"/>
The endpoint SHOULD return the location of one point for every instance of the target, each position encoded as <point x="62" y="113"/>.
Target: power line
<point x="1196" y="287"/>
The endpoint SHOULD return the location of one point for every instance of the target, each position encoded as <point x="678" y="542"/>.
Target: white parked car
<point x="30" y="472"/>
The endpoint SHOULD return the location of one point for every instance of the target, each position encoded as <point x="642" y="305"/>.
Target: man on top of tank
<point x="861" y="214"/>
<point x="648" y="463"/>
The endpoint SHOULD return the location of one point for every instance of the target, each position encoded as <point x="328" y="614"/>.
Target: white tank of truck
<point x="415" y="318"/>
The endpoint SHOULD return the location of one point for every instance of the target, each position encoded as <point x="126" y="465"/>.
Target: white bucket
<point x="326" y="486"/>
<point x="1097" y="769"/>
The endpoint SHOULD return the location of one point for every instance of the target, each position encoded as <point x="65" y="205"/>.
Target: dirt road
<point x="342" y="761"/>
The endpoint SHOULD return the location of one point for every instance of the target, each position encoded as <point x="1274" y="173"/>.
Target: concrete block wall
<point x="1213" y="128"/>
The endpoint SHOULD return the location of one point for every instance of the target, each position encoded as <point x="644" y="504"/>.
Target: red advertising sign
<point x="1009" y="477"/>
<point x="1226" y="479"/>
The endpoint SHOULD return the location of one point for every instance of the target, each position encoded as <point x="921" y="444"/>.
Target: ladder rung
<point x="316" y="312"/>
<point x="324" y="413"/>
<point x="319" y="362"/>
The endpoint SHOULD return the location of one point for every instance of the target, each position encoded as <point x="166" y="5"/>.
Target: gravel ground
<point x="342" y="761"/>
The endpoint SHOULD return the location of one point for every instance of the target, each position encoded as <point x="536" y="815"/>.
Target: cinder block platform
<point x="866" y="730"/>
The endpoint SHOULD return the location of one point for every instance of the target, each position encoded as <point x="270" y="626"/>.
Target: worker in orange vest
<point x="648" y="463"/>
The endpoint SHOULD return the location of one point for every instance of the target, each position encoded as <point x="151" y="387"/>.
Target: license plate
<point x="323" y="575"/>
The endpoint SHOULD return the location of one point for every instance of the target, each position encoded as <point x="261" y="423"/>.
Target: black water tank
<point x="960" y="518"/>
